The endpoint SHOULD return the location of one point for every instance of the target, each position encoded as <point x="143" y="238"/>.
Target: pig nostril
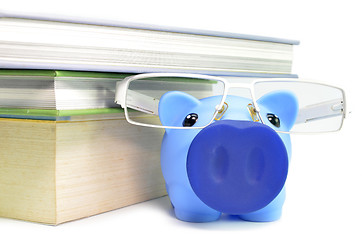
<point x="219" y="164"/>
<point x="255" y="165"/>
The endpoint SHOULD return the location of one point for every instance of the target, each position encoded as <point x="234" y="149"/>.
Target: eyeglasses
<point x="193" y="101"/>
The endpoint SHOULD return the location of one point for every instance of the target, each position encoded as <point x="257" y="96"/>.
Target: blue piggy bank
<point x="234" y="165"/>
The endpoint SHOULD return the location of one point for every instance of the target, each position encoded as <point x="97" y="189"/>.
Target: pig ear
<point x="284" y="104"/>
<point x="174" y="107"/>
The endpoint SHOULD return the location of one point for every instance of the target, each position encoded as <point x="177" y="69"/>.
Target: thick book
<point x="61" y="95"/>
<point x="58" y="171"/>
<point x="57" y="95"/>
<point x="37" y="42"/>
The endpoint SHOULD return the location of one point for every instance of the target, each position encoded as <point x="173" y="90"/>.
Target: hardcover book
<point x="90" y="45"/>
<point x="57" y="95"/>
<point x="57" y="171"/>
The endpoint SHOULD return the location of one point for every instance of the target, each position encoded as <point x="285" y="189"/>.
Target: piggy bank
<point x="235" y="165"/>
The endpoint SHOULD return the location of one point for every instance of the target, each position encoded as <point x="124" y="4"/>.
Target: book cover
<point x="55" y="94"/>
<point x="67" y="43"/>
<point x="59" y="95"/>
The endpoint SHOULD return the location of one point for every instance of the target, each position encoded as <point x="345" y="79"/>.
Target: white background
<point x="324" y="184"/>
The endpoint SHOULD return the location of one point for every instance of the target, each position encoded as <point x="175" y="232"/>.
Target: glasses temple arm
<point x="142" y="102"/>
<point x="321" y="110"/>
<point x="135" y="100"/>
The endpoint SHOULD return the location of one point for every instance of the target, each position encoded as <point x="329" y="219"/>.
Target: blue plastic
<point x="235" y="174"/>
<point x="284" y="105"/>
<point x="186" y="176"/>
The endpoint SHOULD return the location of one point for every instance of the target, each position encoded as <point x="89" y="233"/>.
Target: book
<point x="34" y="42"/>
<point x="72" y="95"/>
<point x="57" y="171"/>
<point x="64" y="95"/>
<point x="49" y="94"/>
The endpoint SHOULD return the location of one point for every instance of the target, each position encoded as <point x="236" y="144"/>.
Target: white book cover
<point x="64" y="42"/>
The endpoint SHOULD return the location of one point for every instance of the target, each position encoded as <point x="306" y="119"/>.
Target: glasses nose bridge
<point x="241" y="90"/>
<point x="248" y="92"/>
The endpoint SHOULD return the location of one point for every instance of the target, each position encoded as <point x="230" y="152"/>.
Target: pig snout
<point x="237" y="167"/>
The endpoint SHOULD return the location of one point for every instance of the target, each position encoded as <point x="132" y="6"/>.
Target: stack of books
<point x="66" y="150"/>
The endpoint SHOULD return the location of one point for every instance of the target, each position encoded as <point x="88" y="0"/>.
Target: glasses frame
<point x="122" y="87"/>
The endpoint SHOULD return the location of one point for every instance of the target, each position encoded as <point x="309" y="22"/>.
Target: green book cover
<point x="50" y="94"/>
<point x="60" y="73"/>
<point x="55" y="95"/>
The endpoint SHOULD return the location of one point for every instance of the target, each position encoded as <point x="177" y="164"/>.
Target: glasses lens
<point x="173" y="101"/>
<point x="293" y="106"/>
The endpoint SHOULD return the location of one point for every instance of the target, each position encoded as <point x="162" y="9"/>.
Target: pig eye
<point x="190" y="120"/>
<point x="273" y="119"/>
